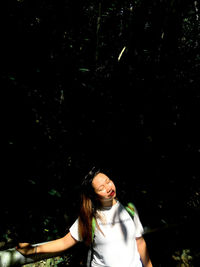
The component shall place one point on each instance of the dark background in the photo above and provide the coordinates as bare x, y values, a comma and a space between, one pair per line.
69, 103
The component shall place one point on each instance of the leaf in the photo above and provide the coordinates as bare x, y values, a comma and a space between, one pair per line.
53, 192
12, 78
31, 181
84, 70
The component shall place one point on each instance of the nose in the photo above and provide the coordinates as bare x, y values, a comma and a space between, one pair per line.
108, 188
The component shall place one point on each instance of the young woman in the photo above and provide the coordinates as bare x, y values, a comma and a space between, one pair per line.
113, 236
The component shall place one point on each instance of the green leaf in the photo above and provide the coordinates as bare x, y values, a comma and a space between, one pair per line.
31, 181
53, 192
12, 78
84, 69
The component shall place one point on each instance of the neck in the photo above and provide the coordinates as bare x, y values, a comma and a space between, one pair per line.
108, 203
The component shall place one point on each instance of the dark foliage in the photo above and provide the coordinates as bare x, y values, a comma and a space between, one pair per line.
71, 100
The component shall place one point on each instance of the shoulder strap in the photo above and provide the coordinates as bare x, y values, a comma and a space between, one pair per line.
93, 227
131, 209
91, 246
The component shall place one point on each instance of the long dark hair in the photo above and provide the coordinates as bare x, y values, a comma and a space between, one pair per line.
88, 206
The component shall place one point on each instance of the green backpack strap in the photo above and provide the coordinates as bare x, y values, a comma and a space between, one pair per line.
93, 227
131, 209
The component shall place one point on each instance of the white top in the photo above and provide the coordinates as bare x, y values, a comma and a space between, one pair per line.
115, 245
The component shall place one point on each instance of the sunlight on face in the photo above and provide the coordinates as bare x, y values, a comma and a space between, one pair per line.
104, 188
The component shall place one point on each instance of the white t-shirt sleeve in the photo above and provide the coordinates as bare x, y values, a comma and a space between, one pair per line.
74, 231
138, 226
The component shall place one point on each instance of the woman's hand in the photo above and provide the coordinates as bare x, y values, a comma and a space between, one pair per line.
25, 249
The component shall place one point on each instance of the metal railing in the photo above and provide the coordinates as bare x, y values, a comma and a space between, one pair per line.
12, 257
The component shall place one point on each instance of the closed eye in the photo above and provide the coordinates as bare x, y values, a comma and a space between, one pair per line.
101, 188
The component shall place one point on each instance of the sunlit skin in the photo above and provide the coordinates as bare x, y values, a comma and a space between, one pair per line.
105, 189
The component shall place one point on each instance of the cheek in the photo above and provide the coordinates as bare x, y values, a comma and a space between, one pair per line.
113, 185
101, 194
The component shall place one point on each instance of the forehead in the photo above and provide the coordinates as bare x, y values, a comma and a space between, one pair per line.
99, 179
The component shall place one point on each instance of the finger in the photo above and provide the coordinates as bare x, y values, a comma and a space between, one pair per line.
23, 245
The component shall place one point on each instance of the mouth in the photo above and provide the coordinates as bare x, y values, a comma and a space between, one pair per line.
112, 193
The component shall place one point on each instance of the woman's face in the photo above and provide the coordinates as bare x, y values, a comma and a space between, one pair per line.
104, 189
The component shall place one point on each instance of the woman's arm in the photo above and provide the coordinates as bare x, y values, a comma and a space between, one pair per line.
144, 255
54, 246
